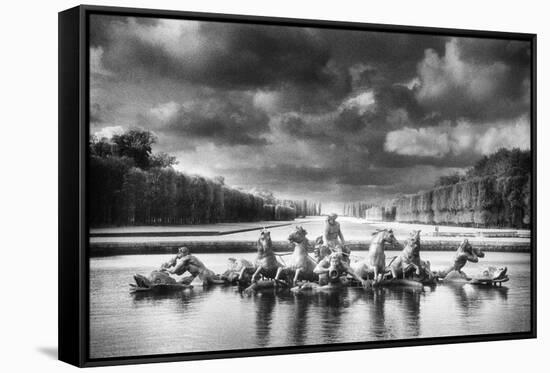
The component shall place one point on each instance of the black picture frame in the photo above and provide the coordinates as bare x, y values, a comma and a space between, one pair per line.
73, 176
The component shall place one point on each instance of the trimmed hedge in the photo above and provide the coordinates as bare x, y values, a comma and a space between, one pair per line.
122, 194
482, 202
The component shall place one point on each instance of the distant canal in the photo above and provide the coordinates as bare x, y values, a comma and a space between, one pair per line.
220, 318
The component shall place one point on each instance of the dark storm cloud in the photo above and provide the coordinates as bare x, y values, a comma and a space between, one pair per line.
476, 79
102, 27
391, 97
99, 29
392, 160
315, 106
221, 122
230, 56
349, 121
296, 127
394, 106
257, 57
392, 55
311, 67
95, 113
486, 51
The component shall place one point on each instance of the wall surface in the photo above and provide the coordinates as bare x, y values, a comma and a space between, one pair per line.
28, 317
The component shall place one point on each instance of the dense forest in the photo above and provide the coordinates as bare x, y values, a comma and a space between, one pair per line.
495, 192
131, 185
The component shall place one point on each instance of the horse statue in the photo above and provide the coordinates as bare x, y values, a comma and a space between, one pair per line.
409, 258
300, 263
490, 276
375, 263
464, 254
266, 264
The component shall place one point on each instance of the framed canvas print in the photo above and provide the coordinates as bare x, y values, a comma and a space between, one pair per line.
232, 186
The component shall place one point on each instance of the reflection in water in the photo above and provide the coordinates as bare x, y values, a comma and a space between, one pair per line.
154, 297
485, 293
471, 298
331, 307
409, 299
394, 311
377, 298
297, 329
265, 304
219, 318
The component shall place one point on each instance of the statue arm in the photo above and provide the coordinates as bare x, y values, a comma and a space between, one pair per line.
170, 263
479, 253
467, 255
472, 258
325, 235
341, 235
321, 267
180, 267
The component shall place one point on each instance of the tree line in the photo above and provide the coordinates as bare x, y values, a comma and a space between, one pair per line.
502, 163
356, 209
495, 192
131, 185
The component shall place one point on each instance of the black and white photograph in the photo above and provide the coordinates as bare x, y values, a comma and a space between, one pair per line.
275, 187
262, 186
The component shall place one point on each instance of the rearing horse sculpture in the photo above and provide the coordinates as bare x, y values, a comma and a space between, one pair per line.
376, 257
464, 254
375, 263
409, 258
300, 264
266, 264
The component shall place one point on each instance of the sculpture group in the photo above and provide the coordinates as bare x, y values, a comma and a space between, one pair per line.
326, 264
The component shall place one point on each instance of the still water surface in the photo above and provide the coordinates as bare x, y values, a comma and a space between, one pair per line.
220, 318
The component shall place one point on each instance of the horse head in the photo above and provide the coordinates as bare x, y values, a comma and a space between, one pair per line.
465, 247
414, 236
382, 236
298, 236
414, 240
264, 242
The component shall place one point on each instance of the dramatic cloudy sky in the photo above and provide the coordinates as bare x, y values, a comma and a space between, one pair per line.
311, 113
